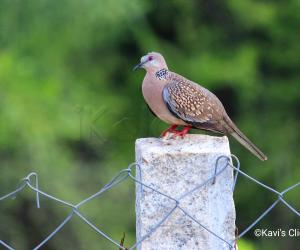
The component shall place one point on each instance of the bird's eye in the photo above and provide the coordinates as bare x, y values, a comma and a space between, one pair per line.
150, 58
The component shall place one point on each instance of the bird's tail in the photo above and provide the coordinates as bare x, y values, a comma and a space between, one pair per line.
241, 138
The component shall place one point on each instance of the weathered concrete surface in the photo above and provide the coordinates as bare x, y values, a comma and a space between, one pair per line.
175, 166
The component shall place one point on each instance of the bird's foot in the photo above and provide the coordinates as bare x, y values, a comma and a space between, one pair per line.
169, 130
182, 133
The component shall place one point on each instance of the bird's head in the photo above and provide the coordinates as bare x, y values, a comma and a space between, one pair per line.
153, 61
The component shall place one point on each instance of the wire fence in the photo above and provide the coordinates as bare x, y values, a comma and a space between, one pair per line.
31, 182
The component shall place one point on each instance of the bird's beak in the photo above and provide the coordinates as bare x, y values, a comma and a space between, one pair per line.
138, 66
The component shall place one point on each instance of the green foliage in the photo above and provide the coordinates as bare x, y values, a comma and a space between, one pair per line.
71, 108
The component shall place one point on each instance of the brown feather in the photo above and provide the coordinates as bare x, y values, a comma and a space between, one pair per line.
199, 107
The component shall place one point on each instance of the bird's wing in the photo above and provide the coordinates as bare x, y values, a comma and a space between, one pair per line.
202, 109
191, 102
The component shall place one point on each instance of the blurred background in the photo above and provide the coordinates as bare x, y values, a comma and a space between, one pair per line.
71, 108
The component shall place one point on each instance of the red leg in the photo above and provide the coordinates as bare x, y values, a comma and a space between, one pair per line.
183, 132
169, 130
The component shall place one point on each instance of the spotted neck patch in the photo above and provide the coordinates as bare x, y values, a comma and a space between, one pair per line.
161, 74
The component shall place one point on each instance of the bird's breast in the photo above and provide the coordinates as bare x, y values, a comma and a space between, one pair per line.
152, 91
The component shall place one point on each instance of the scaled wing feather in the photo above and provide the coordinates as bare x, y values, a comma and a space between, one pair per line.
190, 102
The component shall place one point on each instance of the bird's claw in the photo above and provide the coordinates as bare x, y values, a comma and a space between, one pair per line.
181, 133
175, 133
169, 130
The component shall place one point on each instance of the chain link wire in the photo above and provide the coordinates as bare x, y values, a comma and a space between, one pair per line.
31, 182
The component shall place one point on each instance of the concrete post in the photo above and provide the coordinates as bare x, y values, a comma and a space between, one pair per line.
174, 167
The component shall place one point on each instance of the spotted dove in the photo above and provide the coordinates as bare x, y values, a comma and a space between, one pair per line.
179, 101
